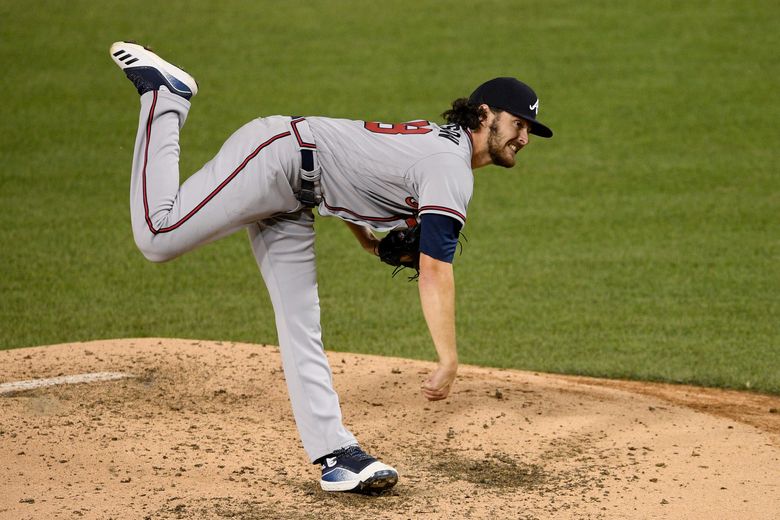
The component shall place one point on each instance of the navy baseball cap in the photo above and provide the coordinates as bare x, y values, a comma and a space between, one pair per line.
515, 97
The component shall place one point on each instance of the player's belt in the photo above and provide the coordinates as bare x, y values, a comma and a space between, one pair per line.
310, 194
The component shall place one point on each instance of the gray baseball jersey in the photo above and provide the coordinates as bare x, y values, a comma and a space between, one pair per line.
385, 175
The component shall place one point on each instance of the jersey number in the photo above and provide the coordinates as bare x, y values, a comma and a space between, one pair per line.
412, 127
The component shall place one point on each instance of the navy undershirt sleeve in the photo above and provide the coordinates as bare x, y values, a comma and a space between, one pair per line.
439, 236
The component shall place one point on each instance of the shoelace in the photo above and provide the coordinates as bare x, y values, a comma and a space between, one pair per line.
353, 452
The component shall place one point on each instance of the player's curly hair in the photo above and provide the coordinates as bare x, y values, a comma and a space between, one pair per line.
465, 114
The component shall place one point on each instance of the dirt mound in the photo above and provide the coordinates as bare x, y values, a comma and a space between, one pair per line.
204, 430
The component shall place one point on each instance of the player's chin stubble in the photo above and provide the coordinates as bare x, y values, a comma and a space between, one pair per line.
500, 154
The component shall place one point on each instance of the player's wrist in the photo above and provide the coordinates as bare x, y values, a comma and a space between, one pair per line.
449, 363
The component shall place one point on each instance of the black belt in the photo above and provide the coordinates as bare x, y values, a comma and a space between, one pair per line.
308, 194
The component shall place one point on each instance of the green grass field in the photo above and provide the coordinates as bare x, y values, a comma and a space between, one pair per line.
642, 241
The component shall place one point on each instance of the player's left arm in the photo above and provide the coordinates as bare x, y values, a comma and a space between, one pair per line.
368, 241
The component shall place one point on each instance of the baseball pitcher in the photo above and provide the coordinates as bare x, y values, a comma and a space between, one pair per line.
413, 179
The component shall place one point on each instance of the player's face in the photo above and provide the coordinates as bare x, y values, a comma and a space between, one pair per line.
508, 135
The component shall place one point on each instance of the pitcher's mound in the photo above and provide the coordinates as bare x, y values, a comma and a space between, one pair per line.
204, 430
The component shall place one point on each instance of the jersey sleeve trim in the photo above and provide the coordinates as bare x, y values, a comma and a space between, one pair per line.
443, 211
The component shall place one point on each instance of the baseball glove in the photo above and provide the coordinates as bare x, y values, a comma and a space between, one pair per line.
401, 248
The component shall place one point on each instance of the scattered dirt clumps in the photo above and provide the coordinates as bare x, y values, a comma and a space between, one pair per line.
204, 430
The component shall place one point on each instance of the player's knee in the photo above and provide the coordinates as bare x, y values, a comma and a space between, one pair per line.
153, 250
156, 257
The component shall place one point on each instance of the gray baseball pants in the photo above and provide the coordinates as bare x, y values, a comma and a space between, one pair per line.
248, 184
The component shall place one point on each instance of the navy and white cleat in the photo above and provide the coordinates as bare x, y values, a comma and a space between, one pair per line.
352, 469
148, 71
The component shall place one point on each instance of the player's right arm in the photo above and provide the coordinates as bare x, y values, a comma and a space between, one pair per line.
438, 241
437, 298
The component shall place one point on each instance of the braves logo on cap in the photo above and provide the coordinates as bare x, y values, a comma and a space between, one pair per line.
535, 106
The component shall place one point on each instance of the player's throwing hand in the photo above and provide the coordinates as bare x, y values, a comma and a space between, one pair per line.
439, 384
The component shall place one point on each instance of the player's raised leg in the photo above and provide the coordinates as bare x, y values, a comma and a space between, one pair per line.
284, 249
246, 181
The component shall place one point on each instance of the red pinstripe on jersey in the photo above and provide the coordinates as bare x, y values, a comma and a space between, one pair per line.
210, 195
301, 142
363, 217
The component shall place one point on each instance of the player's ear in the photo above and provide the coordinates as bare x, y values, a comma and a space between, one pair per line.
486, 115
